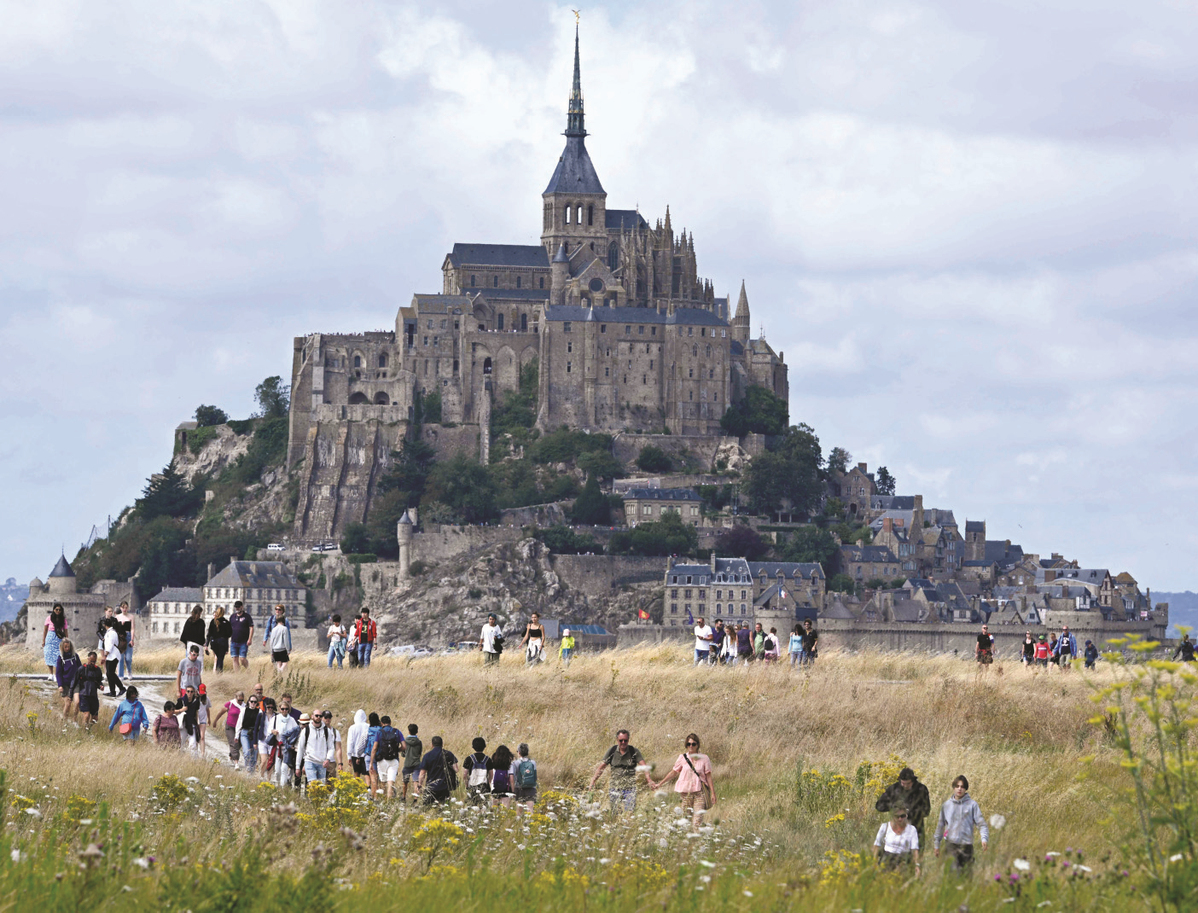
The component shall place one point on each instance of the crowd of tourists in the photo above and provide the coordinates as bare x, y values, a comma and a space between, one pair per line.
1042, 652
900, 840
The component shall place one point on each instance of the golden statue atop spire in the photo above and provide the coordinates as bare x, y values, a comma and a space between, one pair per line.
577, 15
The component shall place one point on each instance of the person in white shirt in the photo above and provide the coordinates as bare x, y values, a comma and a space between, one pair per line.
703, 637
112, 656
316, 751
491, 640
278, 728
337, 635
897, 843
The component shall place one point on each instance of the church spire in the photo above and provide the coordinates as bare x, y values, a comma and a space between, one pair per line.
574, 119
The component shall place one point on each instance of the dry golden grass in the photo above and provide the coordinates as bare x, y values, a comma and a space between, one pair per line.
1018, 737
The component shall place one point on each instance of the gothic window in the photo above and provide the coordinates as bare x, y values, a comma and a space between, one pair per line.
486, 366
578, 214
473, 281
613, 255
590, 215
694, 351
499, 321
357, 361
709, 351
569, 212
383, 360
523, 323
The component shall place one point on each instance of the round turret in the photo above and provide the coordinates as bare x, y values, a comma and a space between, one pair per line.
62, 578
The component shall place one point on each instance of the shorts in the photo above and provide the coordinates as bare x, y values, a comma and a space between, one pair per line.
388, 770
985, 657
89, 703
279, 656
409, 773
358, 765
526, 794
695, 802
239, 651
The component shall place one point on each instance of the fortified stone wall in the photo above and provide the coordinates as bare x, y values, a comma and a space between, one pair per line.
441, 543
597, 575
696, 451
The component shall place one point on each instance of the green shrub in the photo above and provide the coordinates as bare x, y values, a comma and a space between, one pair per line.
653, 459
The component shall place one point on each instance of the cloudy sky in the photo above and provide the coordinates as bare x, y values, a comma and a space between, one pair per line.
970, 227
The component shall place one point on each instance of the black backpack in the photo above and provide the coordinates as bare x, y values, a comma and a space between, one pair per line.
389, 744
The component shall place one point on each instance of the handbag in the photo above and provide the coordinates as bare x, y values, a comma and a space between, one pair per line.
126, 727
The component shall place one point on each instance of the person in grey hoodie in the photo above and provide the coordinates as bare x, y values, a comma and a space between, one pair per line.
959, 815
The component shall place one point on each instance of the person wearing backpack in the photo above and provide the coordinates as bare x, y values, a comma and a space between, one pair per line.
524, 776
365, 631
478, 772
385, 754
411, 759
438, 774
502, 787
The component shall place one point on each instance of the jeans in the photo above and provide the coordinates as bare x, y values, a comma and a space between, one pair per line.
132, 735
337, 651
795, 658
364, 651
626, 796
126, 661
567, 655
701, 656
239, 651
249, 749
315, 771
234, 745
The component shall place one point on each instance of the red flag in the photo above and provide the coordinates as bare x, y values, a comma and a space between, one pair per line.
642, 615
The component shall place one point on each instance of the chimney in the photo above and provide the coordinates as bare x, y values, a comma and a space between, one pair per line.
861, 466
211, 571
887, 524
713, 560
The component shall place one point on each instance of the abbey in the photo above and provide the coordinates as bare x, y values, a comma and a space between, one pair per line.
624, 333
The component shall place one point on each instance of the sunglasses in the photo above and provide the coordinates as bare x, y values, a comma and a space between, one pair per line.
900, 817
692, 744
253, 700
621, 740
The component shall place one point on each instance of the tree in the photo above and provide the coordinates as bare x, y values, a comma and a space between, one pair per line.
884, 481
600, 463
741, 542
168, 494
653, 459
210, 415
561, 540
409, 470
667, 536
273, 397
759, 412
810, 544
432, 407
591, 508
355, 540
464, 487
842, 583
838, 460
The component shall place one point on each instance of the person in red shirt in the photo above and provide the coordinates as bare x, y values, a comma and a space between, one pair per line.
1042, 652
365, 632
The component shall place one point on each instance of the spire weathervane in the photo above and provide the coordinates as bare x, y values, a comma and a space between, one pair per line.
574, 118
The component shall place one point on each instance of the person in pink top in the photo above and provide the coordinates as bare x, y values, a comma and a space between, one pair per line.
693, 771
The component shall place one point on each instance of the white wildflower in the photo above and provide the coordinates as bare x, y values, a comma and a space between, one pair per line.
998, 822
17, 856
1022, 865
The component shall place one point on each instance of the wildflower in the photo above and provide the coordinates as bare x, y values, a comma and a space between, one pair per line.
706, 864
747, 893
17, 856
1176, 857
998, 822
1022, 865
142, 862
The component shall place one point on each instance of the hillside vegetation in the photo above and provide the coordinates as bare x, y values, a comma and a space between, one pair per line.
799, 758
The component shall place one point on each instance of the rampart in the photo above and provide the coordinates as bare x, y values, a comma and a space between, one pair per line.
598, 575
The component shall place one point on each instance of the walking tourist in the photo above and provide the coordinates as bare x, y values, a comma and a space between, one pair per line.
717, 642
624, 761
241, 626
387, 751
66, 668
165, 731
703, 638
336, 635
112, 656
219, 633
124, 630
247, 724
478, 772
1027, 652
524, 776
1185, 649
909, 794
984, 650
438, 774
1066, 649
316, 751
355, 744
897, 843
231, 711
810, 643
88, 683
959, 815
191, 670
744, 643
534, 640
1092, 654
694, 787
130, 716
566, 650
502, 787
490, 641
795, 647
53, 632
193, 634
413, 754
278, 638
365, 633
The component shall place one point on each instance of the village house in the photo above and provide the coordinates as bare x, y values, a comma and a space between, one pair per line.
642, 505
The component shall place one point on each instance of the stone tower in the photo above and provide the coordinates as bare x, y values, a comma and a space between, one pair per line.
740, 323
575, 203
403, 531
62, 579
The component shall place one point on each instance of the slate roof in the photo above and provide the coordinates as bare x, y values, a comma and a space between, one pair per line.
906, 610
528, 255
870, 553
788, 568
906, 517
999, 552
513, 294
662, 494
683, 316
574, 173
837, 610
975, 526
191, 594
62, 569
624, 219
255, 574
736, 348
439, 304
892, 502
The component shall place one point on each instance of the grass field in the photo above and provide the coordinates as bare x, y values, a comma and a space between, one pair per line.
799, 758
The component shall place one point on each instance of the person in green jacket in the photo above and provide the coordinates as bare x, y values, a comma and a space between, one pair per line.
758, 642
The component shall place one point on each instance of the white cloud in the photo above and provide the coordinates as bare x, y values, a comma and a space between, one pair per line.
981, 267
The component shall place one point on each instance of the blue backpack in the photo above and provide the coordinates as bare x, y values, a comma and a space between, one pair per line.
526, 774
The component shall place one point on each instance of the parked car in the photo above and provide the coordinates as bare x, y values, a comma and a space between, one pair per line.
276, 547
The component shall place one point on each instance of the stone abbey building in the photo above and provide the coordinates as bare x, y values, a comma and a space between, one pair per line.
624, 332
